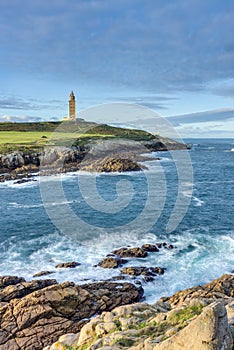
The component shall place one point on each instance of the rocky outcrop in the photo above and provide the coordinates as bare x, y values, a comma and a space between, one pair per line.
193, 319
135, 252
42, 273
34, 314
23, 288
148, 272
69, 264
156, 247
111, 262
119, 165
164, 144
220, 288
150, 247
145, 327
10, 281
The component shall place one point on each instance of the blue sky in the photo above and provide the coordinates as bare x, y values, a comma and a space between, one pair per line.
176, 57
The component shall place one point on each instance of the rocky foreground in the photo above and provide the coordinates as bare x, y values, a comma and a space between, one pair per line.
42, 314
199, 318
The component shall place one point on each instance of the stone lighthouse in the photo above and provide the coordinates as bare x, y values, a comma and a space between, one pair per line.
72, 106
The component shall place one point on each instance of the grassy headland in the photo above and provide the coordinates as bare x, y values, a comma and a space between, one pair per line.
34, 136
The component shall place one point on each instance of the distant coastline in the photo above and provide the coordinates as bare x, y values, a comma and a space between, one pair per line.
54, 147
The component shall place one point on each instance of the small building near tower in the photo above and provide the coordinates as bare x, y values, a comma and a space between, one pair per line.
72, 106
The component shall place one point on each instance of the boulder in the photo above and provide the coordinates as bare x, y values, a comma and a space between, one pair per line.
148, 272
150, 247
42, 273
70, 264
111, 262
135, 252
118, 165
209, 331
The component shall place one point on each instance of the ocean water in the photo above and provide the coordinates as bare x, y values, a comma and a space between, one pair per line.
101, 212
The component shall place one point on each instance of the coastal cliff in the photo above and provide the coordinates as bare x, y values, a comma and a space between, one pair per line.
99, 156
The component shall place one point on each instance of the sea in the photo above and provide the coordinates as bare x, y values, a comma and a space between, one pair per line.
83, 217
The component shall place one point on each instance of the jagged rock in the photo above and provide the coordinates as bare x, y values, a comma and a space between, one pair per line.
144, 327
21, 289
150, 247
165, 245
42, 273
209, 331
230, 313
222, 287
196, 323
39, 318
111, 262
10, 280
70, 264
118, 165
22, 181
135, 252
148, 272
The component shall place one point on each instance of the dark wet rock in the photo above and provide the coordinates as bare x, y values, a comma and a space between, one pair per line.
147, 272
43, 273
164, 245
150, 247
135, 252
70, 264
23, 288
111, 262
39, 318
22, 181
164, 144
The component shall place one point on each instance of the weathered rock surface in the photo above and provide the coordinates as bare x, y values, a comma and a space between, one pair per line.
150, 247
199, 321
67, 265
220, 288
34, 314
145, 327
42, 273
119, 165
135, 252
111, 262
21, 289
10, 280
148, 272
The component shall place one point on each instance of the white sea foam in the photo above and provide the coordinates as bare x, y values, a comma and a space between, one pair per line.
197, 202
13, 184
30, 206
196, 255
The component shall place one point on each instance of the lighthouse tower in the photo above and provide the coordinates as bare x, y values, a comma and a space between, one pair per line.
72, 106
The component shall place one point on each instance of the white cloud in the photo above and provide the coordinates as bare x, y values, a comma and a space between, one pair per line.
20, 119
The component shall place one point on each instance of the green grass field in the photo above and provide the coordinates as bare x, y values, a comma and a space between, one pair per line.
34, 136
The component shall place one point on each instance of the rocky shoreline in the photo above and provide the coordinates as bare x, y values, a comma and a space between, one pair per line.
111, 314
105, 156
